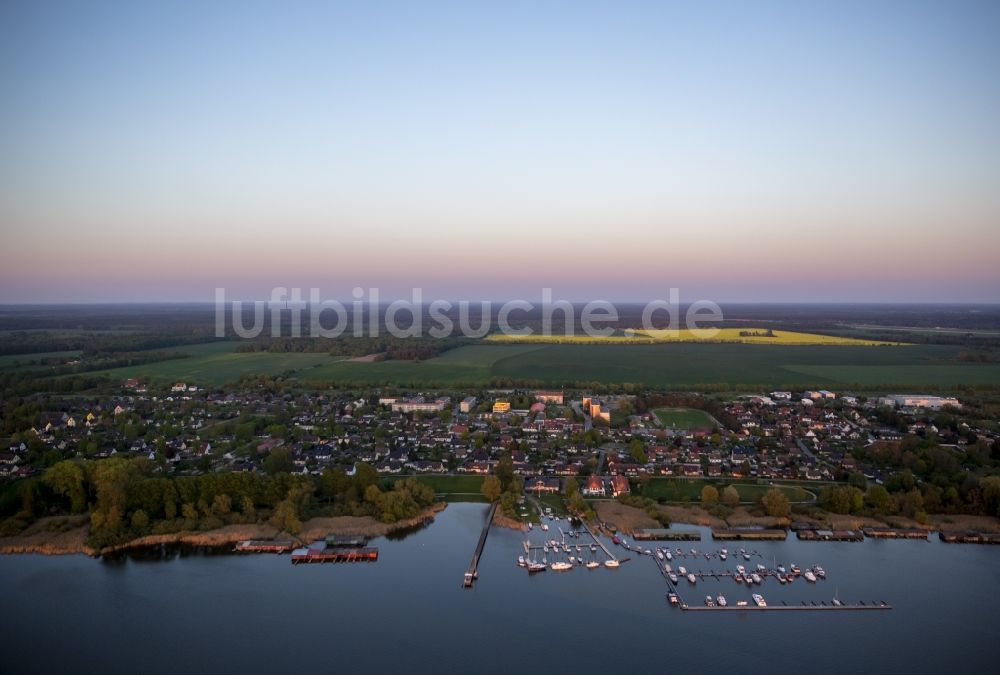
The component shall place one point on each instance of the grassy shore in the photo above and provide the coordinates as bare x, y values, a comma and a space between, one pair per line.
63, 535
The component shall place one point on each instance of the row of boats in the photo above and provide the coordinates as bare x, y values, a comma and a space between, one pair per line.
751, 577
720, 600
723, 554
562, 565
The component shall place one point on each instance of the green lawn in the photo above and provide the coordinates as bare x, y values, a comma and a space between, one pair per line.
453, 484
684, 418
675, 490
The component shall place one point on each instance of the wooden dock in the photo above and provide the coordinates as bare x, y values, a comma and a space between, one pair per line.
736, 534
471, 574
597, 541
822, 606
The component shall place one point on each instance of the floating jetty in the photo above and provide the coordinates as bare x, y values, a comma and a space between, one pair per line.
813, 606
264, 546
324, 555
666, 535
749, 534
895, 533
830, 535
969, 537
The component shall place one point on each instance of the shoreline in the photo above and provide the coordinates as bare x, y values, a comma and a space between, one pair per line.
44, 541
628, 519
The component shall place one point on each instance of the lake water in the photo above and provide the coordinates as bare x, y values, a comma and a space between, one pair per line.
408, 612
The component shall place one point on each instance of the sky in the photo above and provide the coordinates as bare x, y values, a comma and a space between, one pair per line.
738, 151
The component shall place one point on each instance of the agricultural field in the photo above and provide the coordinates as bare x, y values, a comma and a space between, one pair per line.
684, 418
16, 362
664, 365
761, 336
218, 363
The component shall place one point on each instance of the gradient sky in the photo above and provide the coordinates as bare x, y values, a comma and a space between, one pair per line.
743, 151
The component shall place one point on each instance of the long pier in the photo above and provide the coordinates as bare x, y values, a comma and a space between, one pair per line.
777, 608
471, 574
597, 541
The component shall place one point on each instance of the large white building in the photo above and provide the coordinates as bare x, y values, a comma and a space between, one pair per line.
921, 401
419, 404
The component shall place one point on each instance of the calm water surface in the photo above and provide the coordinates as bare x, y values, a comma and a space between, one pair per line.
408, 612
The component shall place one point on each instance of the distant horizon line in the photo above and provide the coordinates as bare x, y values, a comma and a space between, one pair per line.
209, 304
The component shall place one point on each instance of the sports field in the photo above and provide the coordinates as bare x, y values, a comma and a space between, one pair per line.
684, 418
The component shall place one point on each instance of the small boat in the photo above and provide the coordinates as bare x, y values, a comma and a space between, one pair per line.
795, 569
572, 559
648, 552
746, 556
692, 578
694, 552
781, 569
668, 568
545, 527
593, 565
615, 540
759, 600
672, 577
672, 597
560, 566
809, 576
709, 602
521, 561
756, 578
741, 570
534, 567
659, 553
761, 568
682, 570
611, 563
721, 600
819, 572
668, 555
723, 555
782, 580
741, 603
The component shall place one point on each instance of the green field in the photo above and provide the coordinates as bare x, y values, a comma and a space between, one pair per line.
217, 363
673, 489
684, 418
11, 362
666, 366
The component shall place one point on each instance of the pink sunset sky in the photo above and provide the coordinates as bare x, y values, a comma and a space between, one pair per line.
835, 153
